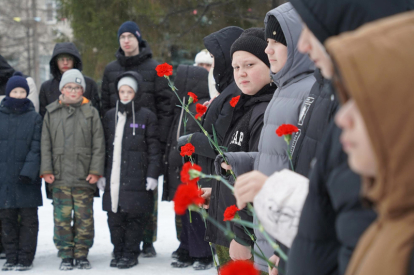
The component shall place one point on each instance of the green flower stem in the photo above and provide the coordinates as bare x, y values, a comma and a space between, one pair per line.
174, 89
272, 243
227, 232
287, 140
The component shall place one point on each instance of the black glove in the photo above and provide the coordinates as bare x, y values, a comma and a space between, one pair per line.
25, 180
183, 140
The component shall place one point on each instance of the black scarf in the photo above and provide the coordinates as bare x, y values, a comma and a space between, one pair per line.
17, 105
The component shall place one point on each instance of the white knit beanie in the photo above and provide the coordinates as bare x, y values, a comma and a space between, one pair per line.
129, 81
203, 57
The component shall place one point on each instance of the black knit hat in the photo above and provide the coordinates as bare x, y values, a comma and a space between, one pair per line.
252, 41
17, 81
132, 27
274, 30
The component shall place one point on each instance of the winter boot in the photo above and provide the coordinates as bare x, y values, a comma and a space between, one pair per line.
24, 265
203, 263
148, 250
66, 264
127, 263
2, 254
82, 263
114, 262
178, 252
184, 260
9, 265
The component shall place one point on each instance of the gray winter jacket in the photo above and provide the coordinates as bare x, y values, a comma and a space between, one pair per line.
294, 83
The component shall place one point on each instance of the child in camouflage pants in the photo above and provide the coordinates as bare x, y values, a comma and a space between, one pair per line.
72, 153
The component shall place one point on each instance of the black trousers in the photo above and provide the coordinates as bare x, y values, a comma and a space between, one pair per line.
20, 227
127, 231
192, 235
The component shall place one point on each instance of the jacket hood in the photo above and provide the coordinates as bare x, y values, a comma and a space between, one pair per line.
297, 63
139, 80
6, 71
192, 79
363, 58
64, 48
129, 61
327, 18
219, 44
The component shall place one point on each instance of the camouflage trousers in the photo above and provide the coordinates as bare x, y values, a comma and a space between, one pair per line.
150, 232
73, 241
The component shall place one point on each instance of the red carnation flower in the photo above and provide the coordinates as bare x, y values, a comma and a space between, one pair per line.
164, 69
187, 150
286, 129
230, 212
201, 110
240, 268
185, 176
234, 100
186, 195
193, 96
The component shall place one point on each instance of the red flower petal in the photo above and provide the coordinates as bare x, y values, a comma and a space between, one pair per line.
186, 195
185, 176
286, 129
187, 150
194, 96
234, 101
239, 268
201, 110
164, 70
230, 212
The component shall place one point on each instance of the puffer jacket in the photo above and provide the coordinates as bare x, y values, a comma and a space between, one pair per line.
294, 82
49, 91
156, 93
19, 156
140, 154
188, 79
73, 144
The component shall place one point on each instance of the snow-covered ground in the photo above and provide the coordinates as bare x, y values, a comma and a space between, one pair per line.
46, 261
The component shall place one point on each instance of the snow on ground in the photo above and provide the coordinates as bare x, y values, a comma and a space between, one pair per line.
47, 262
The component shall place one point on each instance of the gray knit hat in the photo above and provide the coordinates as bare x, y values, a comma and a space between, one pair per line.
72, 76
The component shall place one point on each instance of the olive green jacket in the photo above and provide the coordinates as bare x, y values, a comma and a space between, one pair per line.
73, 144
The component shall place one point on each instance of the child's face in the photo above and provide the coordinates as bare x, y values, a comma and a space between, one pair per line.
18, 93
355, 140
310, 45
277, 54
250, 73
126, 93
73, 91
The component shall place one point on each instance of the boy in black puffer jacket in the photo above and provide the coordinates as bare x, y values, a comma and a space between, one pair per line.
132, 169
20, 195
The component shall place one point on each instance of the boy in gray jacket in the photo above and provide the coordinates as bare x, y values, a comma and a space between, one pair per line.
73, 153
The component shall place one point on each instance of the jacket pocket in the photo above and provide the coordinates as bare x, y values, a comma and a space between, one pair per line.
83, 162
57, 162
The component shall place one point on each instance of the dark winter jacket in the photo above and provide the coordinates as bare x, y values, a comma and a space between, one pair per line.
49, 91
242, 136
156, 93
6, 71
188, 79
219, 113
73, 144
333, 217
20, 133
140, 157
315, 115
